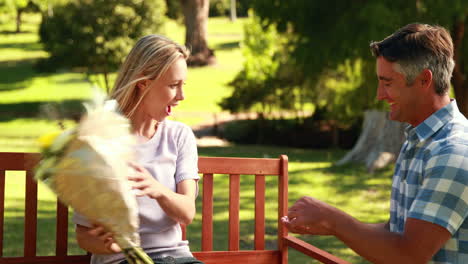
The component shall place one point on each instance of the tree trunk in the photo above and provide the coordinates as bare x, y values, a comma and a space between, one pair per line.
459, 80
196, 24
233, 11
379, 144
19, 12
106, 81
50, 9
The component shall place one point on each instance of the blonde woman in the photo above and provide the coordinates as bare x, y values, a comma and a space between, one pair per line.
148, 87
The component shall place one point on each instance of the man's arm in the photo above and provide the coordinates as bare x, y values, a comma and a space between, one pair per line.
419, 242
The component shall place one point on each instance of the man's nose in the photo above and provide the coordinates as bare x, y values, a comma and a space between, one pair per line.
381, 92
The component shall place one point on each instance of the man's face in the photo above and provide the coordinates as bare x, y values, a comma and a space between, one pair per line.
394, 90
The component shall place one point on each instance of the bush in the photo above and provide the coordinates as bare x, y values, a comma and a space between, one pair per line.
311, 133
98, 34
253, 86
223, 7
174, 10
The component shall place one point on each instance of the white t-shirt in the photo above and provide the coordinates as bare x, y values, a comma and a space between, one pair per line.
171, 157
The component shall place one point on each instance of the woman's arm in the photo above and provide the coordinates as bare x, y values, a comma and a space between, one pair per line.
179, 205
96, 240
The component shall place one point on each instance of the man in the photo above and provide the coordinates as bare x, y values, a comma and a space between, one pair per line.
429, 202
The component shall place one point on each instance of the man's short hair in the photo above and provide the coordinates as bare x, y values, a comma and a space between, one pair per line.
416, 47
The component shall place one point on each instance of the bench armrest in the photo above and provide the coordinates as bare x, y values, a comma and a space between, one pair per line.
312, 251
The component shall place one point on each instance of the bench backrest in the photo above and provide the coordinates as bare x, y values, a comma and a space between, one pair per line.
209, 167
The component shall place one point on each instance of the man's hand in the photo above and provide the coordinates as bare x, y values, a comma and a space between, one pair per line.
309, 216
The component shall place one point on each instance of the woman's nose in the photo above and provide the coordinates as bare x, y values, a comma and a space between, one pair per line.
180, 94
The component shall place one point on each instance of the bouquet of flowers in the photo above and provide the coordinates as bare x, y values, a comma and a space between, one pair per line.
87, 168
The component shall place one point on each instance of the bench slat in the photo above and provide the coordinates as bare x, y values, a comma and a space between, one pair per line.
313, 252
208, 166
2, 208
234, 191
243, 166
283, 207
259, 212
207, 213
61, 236
47, 260
30, 218
236, 257
18, 161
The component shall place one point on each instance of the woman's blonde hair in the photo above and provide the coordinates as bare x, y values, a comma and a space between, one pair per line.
148, 60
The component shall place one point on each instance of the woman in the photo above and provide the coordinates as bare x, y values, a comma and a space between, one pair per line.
149, 85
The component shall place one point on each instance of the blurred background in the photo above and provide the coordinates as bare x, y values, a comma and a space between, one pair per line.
267, 77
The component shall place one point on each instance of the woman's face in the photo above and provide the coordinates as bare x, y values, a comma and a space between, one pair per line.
164, 93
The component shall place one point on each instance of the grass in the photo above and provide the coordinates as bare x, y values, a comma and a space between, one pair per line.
311, 172
30, 101
25, 92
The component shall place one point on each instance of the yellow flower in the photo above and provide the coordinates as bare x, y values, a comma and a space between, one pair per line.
46, 140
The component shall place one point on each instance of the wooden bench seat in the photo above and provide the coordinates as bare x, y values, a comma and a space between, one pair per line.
209, 167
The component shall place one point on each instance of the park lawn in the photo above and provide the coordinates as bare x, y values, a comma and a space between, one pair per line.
24, 91
311, 172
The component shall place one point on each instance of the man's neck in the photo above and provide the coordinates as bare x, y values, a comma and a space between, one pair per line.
429, 107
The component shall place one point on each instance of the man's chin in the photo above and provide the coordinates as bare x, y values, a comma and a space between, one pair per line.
394, 116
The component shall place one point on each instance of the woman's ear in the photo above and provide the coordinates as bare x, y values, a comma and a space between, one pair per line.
141, 85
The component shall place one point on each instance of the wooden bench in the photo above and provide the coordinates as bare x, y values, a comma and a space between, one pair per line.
208, 168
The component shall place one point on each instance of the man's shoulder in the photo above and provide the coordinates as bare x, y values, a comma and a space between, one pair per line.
453, 134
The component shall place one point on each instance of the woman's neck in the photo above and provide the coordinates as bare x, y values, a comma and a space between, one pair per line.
145, 128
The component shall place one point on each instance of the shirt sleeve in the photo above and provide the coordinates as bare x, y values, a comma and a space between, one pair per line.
79, 219
187, 157
443, 196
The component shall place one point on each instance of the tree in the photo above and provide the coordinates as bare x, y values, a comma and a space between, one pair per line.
96, 35
332, 33
233, 10
196, 26
19, 7
340, 30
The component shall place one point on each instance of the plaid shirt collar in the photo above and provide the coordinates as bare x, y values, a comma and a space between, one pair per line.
432, 124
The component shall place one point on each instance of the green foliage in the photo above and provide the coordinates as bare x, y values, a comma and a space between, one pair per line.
12, 5
219, 7
252, 86
174, 10
97, 35
327, 60
13, 9
311, 133
223, 7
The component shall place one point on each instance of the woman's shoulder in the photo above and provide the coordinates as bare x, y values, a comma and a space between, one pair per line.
171, 124
175, 127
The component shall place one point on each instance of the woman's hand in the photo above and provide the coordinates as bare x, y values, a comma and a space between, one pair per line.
180, 205
144, 182
107, 238
96, 240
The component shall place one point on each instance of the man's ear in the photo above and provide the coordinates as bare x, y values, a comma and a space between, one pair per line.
425, 79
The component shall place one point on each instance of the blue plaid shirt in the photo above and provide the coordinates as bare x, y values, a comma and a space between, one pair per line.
431, 180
